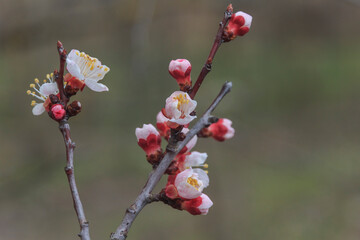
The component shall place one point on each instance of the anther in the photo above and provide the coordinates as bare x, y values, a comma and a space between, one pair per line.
36, 80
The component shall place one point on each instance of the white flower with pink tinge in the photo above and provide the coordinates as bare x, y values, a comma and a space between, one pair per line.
194, 159
198, 206
191, 182
180, 69
222, 129
239, 24
149, 139
42, 92
87, 69
178, 108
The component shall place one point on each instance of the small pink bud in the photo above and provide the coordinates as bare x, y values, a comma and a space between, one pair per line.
149, 139
222, 129
197, 206
239, 25
58, 111
180, 69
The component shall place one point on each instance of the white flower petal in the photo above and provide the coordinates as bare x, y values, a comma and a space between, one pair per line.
195, 159
95, 86
74, 69
48, 88
38, 109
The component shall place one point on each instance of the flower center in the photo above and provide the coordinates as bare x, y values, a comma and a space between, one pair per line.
182, 99
193, 182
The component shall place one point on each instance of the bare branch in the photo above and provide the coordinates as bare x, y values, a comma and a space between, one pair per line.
217, 43
59, 75
173, 149
69, 170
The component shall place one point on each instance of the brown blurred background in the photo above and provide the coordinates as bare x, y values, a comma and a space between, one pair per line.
291, 172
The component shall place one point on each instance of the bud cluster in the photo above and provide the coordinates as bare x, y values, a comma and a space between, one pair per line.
83, 70
187, 174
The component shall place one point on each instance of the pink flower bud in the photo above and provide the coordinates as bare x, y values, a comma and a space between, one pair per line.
161, 125
180, 70
149, 139
58, 111
239, 24
178, 108
222, 129
197, 206
191, 182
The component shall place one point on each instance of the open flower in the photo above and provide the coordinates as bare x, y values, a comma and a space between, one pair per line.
42, 92
191, 182
193, 159
197, 206
86, 69
178, 108
149, 139
180, 69
222, 129
239, 25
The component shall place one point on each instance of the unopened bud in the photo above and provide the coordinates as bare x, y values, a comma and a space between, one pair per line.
58, 111
239, 25
74, 108
180, 69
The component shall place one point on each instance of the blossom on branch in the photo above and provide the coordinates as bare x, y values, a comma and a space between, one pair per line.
193, 159
179, 108
180, 69
86, 69
239, 25
222, 129
191, 182
58, 111
42, 92
197, 206
149, 140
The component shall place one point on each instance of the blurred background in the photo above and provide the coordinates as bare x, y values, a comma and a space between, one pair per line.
291, 172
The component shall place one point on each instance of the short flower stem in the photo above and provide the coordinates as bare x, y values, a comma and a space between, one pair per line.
69, 170
217, 43
145, 196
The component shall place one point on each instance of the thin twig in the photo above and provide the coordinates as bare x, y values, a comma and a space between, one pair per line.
173, 149
69, 170
59, 76
217, 43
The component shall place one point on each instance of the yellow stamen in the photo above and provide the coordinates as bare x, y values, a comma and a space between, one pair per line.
36, 80
33, 103
106, 69
28, 92
44, 81
193, 182
206, 171
181, 98
47, 76
52, 75
206, 165
32, 85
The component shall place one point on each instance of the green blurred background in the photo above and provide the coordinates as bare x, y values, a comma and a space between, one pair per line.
291, 172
